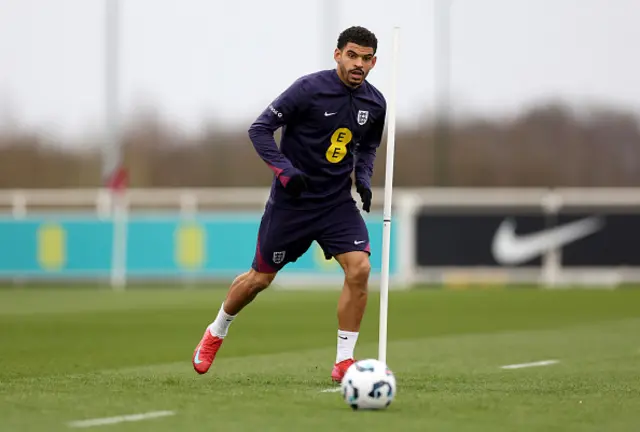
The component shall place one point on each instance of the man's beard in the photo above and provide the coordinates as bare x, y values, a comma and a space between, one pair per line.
355, 80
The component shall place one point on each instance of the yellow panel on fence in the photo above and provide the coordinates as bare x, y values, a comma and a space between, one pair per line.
190, 246
52, 246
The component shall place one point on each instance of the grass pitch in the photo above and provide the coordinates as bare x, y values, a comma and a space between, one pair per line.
68, 355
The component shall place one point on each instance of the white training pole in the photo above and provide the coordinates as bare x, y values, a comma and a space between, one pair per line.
388, 188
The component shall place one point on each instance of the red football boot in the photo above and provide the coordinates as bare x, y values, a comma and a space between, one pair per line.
339, 369
206, 351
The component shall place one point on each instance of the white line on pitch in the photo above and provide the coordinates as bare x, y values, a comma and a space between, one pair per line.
331, 390
119, 419
532, 364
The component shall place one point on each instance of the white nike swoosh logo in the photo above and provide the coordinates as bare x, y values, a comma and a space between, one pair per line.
197, 359
356, 242
326, 114
509, 248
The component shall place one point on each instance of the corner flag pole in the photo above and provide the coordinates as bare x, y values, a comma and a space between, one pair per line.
388, 188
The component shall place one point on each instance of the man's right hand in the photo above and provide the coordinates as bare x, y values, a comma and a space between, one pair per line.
297, 183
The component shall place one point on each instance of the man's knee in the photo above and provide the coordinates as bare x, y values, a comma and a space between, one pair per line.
259, 281
358, 270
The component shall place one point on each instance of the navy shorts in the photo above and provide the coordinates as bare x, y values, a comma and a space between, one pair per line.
285, 234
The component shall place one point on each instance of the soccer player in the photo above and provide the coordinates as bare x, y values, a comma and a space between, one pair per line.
332, 123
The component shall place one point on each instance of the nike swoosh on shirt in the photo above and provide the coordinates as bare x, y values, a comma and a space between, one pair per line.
509, 248
326, 114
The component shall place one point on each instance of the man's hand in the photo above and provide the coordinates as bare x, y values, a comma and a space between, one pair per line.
297, 183
365, 195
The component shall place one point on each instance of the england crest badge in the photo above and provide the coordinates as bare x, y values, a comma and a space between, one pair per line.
363, 116
278, 257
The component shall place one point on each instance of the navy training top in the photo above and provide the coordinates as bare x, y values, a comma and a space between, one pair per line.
328, 130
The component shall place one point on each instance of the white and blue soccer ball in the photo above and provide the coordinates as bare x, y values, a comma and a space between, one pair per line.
368, 385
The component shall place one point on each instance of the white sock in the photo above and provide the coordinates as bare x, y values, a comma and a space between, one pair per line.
220, 325
346, 345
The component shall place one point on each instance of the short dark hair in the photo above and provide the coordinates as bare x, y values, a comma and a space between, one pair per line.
359, 36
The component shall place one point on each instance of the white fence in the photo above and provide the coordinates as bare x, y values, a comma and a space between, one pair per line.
425, 224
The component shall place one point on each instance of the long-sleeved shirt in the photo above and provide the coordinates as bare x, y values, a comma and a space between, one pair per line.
328, 130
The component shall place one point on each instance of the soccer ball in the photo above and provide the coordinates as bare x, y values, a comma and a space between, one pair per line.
368, 384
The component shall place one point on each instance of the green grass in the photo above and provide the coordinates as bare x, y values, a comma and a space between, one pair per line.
80, 354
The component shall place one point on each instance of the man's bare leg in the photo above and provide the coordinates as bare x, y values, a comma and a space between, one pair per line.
243, 290
352, 302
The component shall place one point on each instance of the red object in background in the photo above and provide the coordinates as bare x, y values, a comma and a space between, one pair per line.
118, 180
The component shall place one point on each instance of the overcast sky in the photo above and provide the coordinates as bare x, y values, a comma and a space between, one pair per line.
194, 59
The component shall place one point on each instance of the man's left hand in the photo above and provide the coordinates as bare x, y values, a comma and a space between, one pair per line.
365, 195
